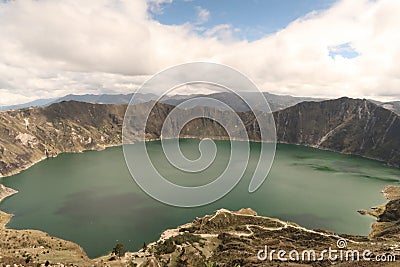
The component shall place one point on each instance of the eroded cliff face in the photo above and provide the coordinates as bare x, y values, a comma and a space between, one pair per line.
29, 135
32, 134
344, 125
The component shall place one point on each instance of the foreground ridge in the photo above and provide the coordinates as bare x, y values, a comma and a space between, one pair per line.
227, 238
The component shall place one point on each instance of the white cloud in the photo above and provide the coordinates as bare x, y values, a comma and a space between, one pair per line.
51, 48
203, 15
27, 84
223, 32
155, 6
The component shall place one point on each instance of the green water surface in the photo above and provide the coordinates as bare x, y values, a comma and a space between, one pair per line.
91, 199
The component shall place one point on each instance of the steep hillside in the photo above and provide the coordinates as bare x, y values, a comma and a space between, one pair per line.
344, 125
229, 239
223, 238
35, 248
29, 135
276, 102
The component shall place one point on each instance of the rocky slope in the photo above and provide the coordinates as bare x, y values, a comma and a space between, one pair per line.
276, 102
35, 248
32, 134
344, 125
229, 239
393, 105
387, 226
224, 238
6, 192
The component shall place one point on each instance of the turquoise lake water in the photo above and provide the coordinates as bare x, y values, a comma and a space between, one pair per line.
91, 199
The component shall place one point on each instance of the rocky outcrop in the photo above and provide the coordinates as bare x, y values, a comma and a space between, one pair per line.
387, 226
30, 135
6, 192
35, 248
351, 126
393, 105
228, 239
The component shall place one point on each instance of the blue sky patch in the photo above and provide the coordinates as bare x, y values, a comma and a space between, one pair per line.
254, 19
345, 50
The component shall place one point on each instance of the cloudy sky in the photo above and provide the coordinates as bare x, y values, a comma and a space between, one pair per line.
323, 48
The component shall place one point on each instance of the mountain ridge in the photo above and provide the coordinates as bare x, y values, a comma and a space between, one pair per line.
225, 238
349, 126
344, 125
276, 102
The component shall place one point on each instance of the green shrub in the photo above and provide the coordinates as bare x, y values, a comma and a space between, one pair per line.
186, 238
119, 250
165, 247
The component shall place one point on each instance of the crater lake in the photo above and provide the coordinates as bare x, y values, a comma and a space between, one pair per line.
90, 198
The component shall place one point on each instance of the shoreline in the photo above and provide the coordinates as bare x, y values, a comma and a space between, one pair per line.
142, 254
390, 192
21, 169
105, 146
6, 192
